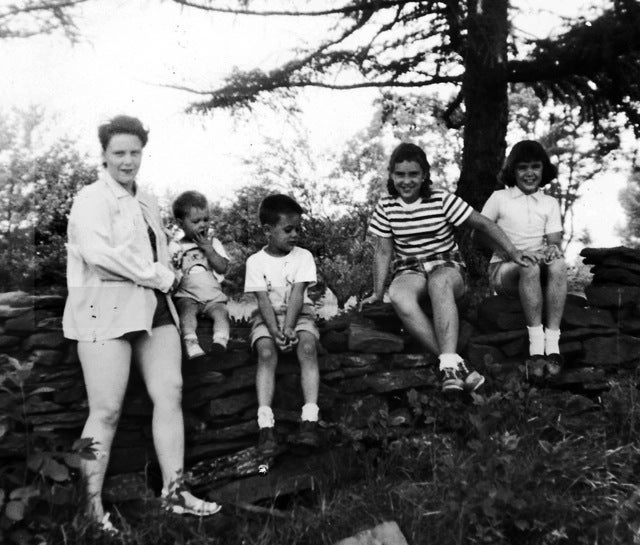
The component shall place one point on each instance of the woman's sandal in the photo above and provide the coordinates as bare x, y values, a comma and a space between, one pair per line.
106, 526
176, 502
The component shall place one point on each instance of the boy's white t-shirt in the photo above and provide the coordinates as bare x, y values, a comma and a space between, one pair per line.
525, 219
277, 275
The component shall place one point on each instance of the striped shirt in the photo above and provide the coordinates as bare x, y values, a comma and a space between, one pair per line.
420, 228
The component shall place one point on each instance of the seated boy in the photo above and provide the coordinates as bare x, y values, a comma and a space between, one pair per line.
202, 261
279, 276
531, 219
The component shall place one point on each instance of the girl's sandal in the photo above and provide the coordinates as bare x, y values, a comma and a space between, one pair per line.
178, 503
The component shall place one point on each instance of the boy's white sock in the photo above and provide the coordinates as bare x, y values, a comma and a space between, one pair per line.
551, 341
190, 336
265, 417
449, 361
536, 340
310, 412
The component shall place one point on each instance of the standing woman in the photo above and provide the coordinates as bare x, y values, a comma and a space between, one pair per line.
119, 308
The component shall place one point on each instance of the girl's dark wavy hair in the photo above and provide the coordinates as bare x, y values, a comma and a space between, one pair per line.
122, 124
410, 152
527, 151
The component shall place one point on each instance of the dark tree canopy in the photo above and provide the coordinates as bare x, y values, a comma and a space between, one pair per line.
469, 45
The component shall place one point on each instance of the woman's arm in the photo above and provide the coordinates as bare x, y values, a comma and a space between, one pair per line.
381, 262
498, 236
89, 229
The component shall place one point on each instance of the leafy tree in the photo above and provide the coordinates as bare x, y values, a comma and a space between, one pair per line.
468, 46
630, 201
37, 185
26, 18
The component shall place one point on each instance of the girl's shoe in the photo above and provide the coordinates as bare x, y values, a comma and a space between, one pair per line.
471, 378
553, 366
181, 502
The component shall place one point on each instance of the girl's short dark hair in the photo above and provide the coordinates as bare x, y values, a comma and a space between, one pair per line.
527, 151
274, 206
122, 124
186, 201
410, 152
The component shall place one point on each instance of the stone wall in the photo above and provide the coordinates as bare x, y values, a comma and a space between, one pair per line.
367, 365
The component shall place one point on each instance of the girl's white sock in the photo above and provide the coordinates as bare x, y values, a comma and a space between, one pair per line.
551, 341
536, 340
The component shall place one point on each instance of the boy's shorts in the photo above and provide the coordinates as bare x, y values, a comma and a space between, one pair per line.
306, 322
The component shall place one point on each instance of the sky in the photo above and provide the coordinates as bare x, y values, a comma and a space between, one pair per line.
128, 50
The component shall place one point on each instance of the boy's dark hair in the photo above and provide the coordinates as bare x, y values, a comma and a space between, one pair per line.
274, 206
410, 152
122, 124
186, 201
527, 151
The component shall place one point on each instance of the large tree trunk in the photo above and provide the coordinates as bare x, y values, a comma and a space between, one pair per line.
485, 97
486, 105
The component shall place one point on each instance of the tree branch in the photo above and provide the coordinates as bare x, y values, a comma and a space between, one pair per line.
372, 5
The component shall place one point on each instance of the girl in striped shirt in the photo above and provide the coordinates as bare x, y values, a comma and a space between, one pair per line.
413, 229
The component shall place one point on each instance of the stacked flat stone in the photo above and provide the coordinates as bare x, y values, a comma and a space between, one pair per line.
365, 372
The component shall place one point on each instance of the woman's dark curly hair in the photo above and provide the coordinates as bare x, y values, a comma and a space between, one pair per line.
410, 152
122, 124
527, 151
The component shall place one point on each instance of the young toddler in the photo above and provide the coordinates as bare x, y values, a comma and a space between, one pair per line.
202, 260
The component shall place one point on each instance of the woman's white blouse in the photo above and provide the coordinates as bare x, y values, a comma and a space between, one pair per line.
111, 273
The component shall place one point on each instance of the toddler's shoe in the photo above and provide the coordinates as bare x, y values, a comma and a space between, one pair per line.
554, 366
308, 434
472, 379
217, 348
267, 443
193, 349
451, 379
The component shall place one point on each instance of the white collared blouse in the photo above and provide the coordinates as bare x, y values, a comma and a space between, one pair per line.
111, 272
525, 219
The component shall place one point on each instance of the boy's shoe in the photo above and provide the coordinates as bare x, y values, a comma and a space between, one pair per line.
308, 434
267, 443
193, 349
217, 349
535, 367
451, 379
554, 365
472, 379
